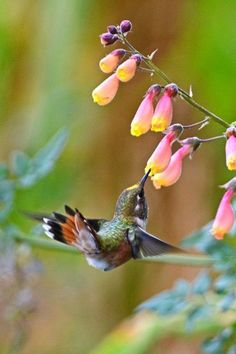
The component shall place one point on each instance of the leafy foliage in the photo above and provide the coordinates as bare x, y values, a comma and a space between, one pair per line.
212, 292
18, 266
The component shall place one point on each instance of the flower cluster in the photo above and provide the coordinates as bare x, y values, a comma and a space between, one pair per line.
155, 114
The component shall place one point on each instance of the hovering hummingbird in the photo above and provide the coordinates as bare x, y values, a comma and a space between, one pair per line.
106, 244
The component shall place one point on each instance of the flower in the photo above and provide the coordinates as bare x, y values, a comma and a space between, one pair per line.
173, 172
224, 219
108, 38
230, 152
106, 91
112, 29
141, 122
161, 156
111, 61
126, 71
125, 26
163, 113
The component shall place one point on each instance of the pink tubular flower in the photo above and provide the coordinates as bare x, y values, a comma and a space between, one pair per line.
224, 219
163, 113
141, 122
126, 71
173, 172
106, 91
230, 152
110, 62
161, 156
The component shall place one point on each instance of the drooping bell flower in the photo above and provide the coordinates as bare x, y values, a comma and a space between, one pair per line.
126, 71
106, 91
163, 113
230, 148
224, 219
173, 172
161, 156
108, 38
110, 62
141, 122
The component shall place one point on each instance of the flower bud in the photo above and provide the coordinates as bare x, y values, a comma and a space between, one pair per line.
141, 122
126, 71
224, 219
161, 156
108, 38
106, 91
112, 29
173, 172
230, 148
110, 62
125, 26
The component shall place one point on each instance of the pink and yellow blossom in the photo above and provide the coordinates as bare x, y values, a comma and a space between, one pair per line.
126, 71
110, 62
161, 156
230, 152
163, 113
141, 122
106, 91
224, 219
173, 172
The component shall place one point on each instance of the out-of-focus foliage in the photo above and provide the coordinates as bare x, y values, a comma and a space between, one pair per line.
18, 266
203, 306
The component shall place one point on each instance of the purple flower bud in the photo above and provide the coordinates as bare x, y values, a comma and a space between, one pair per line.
108, 38
137, 58
172, 90
112, 29
125, 26
154, 90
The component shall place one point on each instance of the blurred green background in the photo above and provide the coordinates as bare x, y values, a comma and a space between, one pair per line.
49, 53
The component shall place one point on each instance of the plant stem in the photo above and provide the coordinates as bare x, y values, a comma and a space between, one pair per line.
182, 93
178, 259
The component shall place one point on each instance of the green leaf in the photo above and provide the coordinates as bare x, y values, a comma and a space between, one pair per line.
212, 346
202, 283
20, 163
3, 171
196, 314
7, 193
30, 171
227, 301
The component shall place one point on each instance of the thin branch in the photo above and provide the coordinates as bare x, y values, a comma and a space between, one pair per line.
182, 93
178, 259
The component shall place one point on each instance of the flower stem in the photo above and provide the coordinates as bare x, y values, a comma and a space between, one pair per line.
182, 93
178, 259
212, 139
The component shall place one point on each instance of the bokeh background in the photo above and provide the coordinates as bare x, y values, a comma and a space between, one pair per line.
49, 53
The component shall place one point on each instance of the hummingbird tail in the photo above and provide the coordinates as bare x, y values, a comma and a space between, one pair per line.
72, 229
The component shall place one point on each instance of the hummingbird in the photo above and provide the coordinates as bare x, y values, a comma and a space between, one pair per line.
106, 244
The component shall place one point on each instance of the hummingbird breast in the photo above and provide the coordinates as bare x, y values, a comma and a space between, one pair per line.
108, 260
115, 247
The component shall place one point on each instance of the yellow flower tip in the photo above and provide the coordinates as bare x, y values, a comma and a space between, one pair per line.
104, 67
153, 167
101, 101
231, 163
218, 233
157, 182
136, 130
159, 125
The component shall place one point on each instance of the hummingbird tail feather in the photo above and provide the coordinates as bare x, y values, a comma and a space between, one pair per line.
72, 229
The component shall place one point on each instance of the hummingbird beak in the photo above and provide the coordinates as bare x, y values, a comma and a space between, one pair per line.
143, 180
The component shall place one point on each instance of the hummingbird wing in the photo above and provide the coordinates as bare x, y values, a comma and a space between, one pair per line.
72, 229
147, 245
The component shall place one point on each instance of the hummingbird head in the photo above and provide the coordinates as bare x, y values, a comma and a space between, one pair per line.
132, 202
